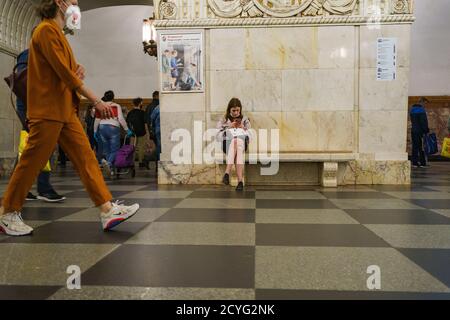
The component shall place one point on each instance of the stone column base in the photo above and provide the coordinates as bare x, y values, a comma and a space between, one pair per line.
169, 173
329, 174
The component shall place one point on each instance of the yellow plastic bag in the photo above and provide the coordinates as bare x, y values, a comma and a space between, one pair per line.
446, 148
23, 143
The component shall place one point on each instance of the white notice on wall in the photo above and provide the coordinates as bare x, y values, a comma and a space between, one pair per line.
386, 59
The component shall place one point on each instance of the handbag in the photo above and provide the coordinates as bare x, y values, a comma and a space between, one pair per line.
430, 144
23, 144
17, 82
446, 147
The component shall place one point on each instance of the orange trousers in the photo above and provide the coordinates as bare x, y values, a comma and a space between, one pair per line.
44, 135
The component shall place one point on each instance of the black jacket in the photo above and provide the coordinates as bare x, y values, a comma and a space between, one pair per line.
136, 122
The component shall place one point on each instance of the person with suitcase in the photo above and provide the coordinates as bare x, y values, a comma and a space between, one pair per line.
108, 130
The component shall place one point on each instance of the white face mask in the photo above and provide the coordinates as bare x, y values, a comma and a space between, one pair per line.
72, 17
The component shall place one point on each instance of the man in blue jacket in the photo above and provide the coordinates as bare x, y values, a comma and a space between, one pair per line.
419, 129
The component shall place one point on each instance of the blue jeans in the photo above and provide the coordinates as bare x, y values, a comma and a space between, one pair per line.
418, 154
110, 136
43, 184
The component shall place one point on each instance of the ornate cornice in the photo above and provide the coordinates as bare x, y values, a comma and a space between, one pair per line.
255, 13
17, 19
304, 21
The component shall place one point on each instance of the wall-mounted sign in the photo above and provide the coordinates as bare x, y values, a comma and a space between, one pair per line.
181, 61
386, 59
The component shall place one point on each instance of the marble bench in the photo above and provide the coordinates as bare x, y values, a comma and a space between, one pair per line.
328, 162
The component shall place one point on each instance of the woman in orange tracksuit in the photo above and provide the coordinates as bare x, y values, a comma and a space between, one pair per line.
54, 88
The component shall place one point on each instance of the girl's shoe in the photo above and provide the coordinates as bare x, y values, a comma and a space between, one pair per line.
226, 179
240, 186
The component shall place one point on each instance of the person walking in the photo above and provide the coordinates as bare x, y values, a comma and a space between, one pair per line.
53, 94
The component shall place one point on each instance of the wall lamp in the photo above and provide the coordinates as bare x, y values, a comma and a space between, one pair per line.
149, 37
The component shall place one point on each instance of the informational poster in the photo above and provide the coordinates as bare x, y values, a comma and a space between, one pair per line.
386, 59
181, 61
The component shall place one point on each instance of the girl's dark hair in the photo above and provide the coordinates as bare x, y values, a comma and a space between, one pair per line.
108, 96
234, 103
47, 9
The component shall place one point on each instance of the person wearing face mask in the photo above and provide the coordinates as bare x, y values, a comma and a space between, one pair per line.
55, 83
235, 136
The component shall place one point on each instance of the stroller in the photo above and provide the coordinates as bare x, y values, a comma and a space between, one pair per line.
124, 162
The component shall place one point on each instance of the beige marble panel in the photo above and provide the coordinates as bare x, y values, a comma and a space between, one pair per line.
258, 90
318, 89
368, 43
170, 122
7, 134
382, 131
375, 172
288, 174
299, 131
336, 131
183, 102
336, 47
281, 48
389, 156
384, 95
169, 173
263, 121
227, 49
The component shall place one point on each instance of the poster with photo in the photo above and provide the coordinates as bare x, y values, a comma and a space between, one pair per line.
181, 62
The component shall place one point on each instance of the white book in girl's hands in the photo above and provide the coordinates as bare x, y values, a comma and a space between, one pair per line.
236, 132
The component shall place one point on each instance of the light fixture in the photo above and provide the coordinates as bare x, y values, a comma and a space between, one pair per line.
149, 37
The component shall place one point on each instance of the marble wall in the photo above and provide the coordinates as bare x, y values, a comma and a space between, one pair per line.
9, 124
316, 84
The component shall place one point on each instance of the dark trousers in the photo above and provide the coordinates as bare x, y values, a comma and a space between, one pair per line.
418, 154
43, 184
62, 157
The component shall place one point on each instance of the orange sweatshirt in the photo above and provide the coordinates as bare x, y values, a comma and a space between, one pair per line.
52, 79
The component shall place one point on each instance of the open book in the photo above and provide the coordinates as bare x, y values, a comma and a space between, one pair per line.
236, 132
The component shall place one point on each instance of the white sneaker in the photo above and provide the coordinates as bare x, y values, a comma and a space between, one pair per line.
118, 214
12, 224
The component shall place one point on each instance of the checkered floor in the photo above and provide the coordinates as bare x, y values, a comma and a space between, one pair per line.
209, 242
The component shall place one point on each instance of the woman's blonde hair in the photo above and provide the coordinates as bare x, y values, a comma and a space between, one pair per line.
47, 9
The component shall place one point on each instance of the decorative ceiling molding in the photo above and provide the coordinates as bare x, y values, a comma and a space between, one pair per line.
17, 19
246, 13
263, 22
